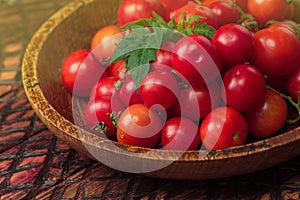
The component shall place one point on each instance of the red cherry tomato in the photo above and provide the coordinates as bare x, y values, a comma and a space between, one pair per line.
104, 87
266, 10
224, 127
172, 5
225, 13
128, 92
192, 9
196, 102
244, 87
268, 117
81, 70
118, 69
96, 115
159, 87
234, 43
293, 83
243, 4
133, 10
196, 59
180, 134
105, 41
139, 126
277, 50
164, 54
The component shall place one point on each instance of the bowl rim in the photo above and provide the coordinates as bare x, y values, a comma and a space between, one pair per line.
31, 85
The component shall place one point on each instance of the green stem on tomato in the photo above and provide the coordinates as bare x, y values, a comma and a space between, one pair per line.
292, 102
252, 23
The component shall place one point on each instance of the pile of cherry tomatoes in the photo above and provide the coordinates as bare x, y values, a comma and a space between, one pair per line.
197, 90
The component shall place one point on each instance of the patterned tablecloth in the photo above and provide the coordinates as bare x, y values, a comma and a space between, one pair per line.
34, 164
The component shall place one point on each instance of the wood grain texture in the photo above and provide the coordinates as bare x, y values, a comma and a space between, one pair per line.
72, 28
27, 146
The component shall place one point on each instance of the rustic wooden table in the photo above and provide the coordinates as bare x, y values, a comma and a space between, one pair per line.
34, 164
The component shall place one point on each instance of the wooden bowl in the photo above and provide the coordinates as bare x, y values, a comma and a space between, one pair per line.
72, 28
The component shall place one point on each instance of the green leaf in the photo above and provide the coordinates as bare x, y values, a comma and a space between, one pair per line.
138, 73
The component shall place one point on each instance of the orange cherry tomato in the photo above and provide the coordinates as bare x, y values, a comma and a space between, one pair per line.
105, 40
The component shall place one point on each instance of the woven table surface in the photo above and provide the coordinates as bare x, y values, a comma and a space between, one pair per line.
34, 164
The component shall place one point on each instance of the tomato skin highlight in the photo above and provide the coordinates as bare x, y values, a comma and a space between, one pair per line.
105, 40
180, 134
196, 102
268, 117
277, 50
224, 127
139, 126
104, 87
265, 10
98, 110
234, 43
156, 86
133, 10
80, 72
193, 9
196, 59
244, 87
225, 13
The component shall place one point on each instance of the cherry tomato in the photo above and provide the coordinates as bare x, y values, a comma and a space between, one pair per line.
196, 59
225, 13
266, 10
293, 83
277, 50
196, 102
96, 115
244, 87
172, 5
192, 9
164, 54
118, 69
234, 43
243, 4
139, 126
104, 87
132, 10
224, 127
180, 134
128, 92
268, 117
105, 41
159, 87
80, 71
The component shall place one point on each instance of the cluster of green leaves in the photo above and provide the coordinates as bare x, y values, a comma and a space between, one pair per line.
138, 47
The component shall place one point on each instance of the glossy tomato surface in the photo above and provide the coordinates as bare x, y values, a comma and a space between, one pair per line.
180, 134
244, 87
224, 127
132, 10
160, 89
268, 117
195, 58
265, 10
234, 43
277, 50
139, 126
81, 70
193, 9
